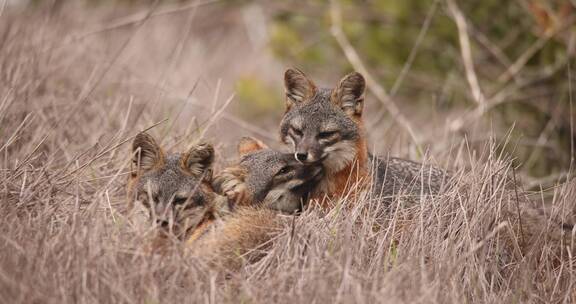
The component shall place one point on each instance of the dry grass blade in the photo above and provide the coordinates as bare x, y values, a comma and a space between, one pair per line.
466, 52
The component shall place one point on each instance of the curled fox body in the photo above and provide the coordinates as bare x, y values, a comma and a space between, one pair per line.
268, 178
177, 191
325, 125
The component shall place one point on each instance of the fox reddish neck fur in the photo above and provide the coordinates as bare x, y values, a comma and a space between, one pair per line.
325, 125
352, 178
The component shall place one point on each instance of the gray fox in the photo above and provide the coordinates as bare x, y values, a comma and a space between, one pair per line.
325, 125
174, 188
268, 178
177, 191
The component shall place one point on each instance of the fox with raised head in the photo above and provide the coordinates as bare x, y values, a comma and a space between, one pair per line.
325, 125
177, 191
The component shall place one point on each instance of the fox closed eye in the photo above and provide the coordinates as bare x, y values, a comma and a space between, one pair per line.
180, 201
327, 134
284, 174
296, 132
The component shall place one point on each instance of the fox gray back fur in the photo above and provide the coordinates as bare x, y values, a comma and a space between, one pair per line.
393, 177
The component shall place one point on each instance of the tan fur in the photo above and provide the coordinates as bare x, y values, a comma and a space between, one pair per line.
241, 238
249, 144
228, 239
230, 182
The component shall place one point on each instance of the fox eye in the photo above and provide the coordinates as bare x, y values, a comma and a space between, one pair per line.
180, 201
283, 171
296, 131
327, 134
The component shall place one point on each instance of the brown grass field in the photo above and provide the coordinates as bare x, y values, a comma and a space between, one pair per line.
76, 86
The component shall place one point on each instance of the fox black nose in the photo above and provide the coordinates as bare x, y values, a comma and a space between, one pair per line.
301, 157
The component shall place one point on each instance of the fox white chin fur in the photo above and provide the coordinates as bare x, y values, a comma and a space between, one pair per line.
339, 156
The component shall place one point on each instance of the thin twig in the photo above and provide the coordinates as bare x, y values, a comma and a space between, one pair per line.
85, 95
414, 51
138, 17
356, 62
492, 48
466, 53
410, 60
543, 138
215, 116
110, 149
519, 64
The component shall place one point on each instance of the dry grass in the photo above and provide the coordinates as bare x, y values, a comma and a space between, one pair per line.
68, 106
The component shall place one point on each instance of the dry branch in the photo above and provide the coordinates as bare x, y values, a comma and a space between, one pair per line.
466, 53
354, 59
139, 17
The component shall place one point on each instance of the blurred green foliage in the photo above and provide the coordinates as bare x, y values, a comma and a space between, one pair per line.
256, 100
384, 33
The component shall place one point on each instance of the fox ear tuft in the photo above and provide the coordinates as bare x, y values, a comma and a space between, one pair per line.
249, 145
146, 152
198, 160
299, 88
349, 94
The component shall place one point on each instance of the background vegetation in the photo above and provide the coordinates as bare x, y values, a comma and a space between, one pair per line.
520, 53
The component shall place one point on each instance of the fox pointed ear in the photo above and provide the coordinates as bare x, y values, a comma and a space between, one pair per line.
299, 88
146, 152
249, 145
349, 94
198, 160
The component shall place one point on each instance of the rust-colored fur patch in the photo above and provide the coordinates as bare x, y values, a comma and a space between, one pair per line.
353, 178
241, 238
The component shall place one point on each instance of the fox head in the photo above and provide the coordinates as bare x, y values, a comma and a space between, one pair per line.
175, 188
268, 178
323, 125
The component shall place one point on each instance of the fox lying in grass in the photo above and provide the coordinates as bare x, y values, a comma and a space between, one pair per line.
177, 191
325, 125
